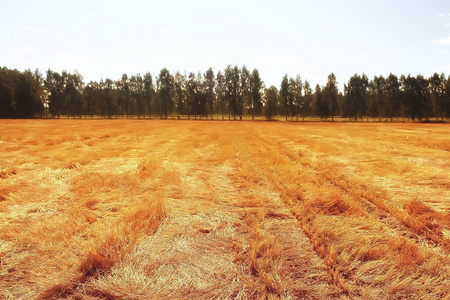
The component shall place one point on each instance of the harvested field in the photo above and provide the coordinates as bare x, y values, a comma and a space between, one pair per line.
140, 209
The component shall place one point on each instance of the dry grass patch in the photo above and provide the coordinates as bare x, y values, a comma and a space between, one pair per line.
123, 209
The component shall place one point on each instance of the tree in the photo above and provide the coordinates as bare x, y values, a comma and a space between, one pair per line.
377, 86
209, 83
298, 100
55, 84
423, 101
7, 92
256, 86
124, 94
307, 100
232, 89
416, 96
193, 91
21, 94
180, 93
271, 100
403, 96
37, 91
340, 102
330, 96
201, 96
148, 93
106, 92
235, 92
221, 93
320, 105
73, 94
165, 83
392, 102
285, 97
355, 103
437, 94
292, 108
90, 95
137, 94
27, 95
446, 104
244, 99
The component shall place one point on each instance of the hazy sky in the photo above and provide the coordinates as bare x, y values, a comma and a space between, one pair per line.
312, 38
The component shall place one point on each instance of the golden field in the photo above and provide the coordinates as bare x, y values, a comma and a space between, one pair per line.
151, 209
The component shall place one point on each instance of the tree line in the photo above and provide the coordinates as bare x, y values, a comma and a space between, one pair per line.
233, 93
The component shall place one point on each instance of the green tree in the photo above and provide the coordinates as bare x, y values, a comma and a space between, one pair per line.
148, 93
201, 96
437, 94
7, 92
91, 97
137, 94
37, 90
446, 102
232, 90
180, 93
285, 99
55, 85
292, 104
73, 94
298, 103
392, 96
27, 95
403, 97
107, 97
270, 102
209, 83
330, 94
193, 97
165, 83
320, 104
124, 95
356, 90
377, 87
221, 94
307, 100
256, 87
416, 96
244, 99
21, 94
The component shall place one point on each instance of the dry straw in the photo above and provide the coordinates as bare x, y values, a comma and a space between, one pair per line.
119, 209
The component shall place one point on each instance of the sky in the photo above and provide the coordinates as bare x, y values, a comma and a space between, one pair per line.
104, 39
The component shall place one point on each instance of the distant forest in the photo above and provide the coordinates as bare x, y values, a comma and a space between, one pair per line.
232, 94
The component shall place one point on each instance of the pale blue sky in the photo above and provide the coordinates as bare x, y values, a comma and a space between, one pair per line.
312, 38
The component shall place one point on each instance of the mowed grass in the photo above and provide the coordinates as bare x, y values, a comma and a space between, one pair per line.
149, 209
